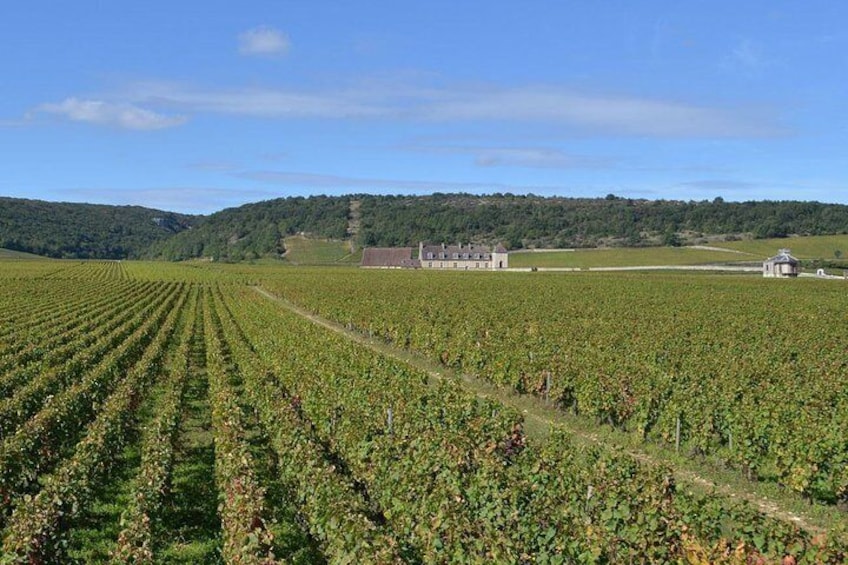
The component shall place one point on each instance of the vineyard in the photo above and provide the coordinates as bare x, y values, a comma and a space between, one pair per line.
160, 413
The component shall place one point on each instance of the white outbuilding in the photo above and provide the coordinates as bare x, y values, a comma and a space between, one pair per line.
781, 265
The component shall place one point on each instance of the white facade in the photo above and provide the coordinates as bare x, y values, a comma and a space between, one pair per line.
781, 265
462, 257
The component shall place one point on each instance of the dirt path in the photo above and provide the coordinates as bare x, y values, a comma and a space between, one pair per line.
540, 417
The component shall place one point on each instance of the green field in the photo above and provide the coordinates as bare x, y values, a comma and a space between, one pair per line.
9, 254
263, 413
623, 257
812, 247
738, 252
305, 251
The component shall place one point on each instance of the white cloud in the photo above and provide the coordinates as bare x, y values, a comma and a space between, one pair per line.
747, 56
603, 114
122, 115
341, 184
717, 185
551, 106
264, 41
14, 123
529, 157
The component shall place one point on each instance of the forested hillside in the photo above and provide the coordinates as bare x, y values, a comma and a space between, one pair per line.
256, 230
532, 221
518, 221
84, 231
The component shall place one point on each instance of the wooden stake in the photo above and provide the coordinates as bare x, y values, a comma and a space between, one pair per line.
677, 436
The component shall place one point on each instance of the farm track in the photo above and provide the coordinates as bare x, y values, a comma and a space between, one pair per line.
541, 418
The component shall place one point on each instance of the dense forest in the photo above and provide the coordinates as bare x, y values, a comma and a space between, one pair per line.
85, 231
518, 221
531, 221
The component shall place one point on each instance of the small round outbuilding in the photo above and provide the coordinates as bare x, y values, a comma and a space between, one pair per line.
781, 265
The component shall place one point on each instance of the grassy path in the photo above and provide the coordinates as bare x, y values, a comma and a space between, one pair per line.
541, 417
192, 515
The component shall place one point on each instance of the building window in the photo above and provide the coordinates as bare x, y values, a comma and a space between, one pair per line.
430, 255
455, 266
476, 265
485, 265
430, 263
456, 256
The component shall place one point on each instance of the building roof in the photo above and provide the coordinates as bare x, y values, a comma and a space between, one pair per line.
783, 258
500, 249
387, 257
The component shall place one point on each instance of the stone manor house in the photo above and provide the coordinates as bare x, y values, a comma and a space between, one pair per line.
454, 257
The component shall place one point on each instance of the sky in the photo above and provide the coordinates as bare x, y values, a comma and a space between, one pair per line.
198, 106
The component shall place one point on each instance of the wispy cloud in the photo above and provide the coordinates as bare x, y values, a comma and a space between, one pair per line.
756, 189
552, 106
121, 115
264, 41
340, 184
747, 56
331, 183
528, 157
14, 123
212, 166
716, 185
275, 156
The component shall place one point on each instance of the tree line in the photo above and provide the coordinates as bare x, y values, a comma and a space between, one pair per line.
518, 221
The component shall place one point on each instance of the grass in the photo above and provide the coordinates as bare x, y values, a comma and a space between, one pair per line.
745, 251
809, 247
9, 254
304, 251
191, 526
94, 533
624, 257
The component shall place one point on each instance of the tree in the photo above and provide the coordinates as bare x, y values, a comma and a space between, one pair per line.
671, 239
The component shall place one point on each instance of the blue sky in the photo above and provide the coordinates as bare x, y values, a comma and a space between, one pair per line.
197, 106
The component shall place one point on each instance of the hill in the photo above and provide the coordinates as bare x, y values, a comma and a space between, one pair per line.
519, 221
534, 221
18, 255
259, 229
84, 231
